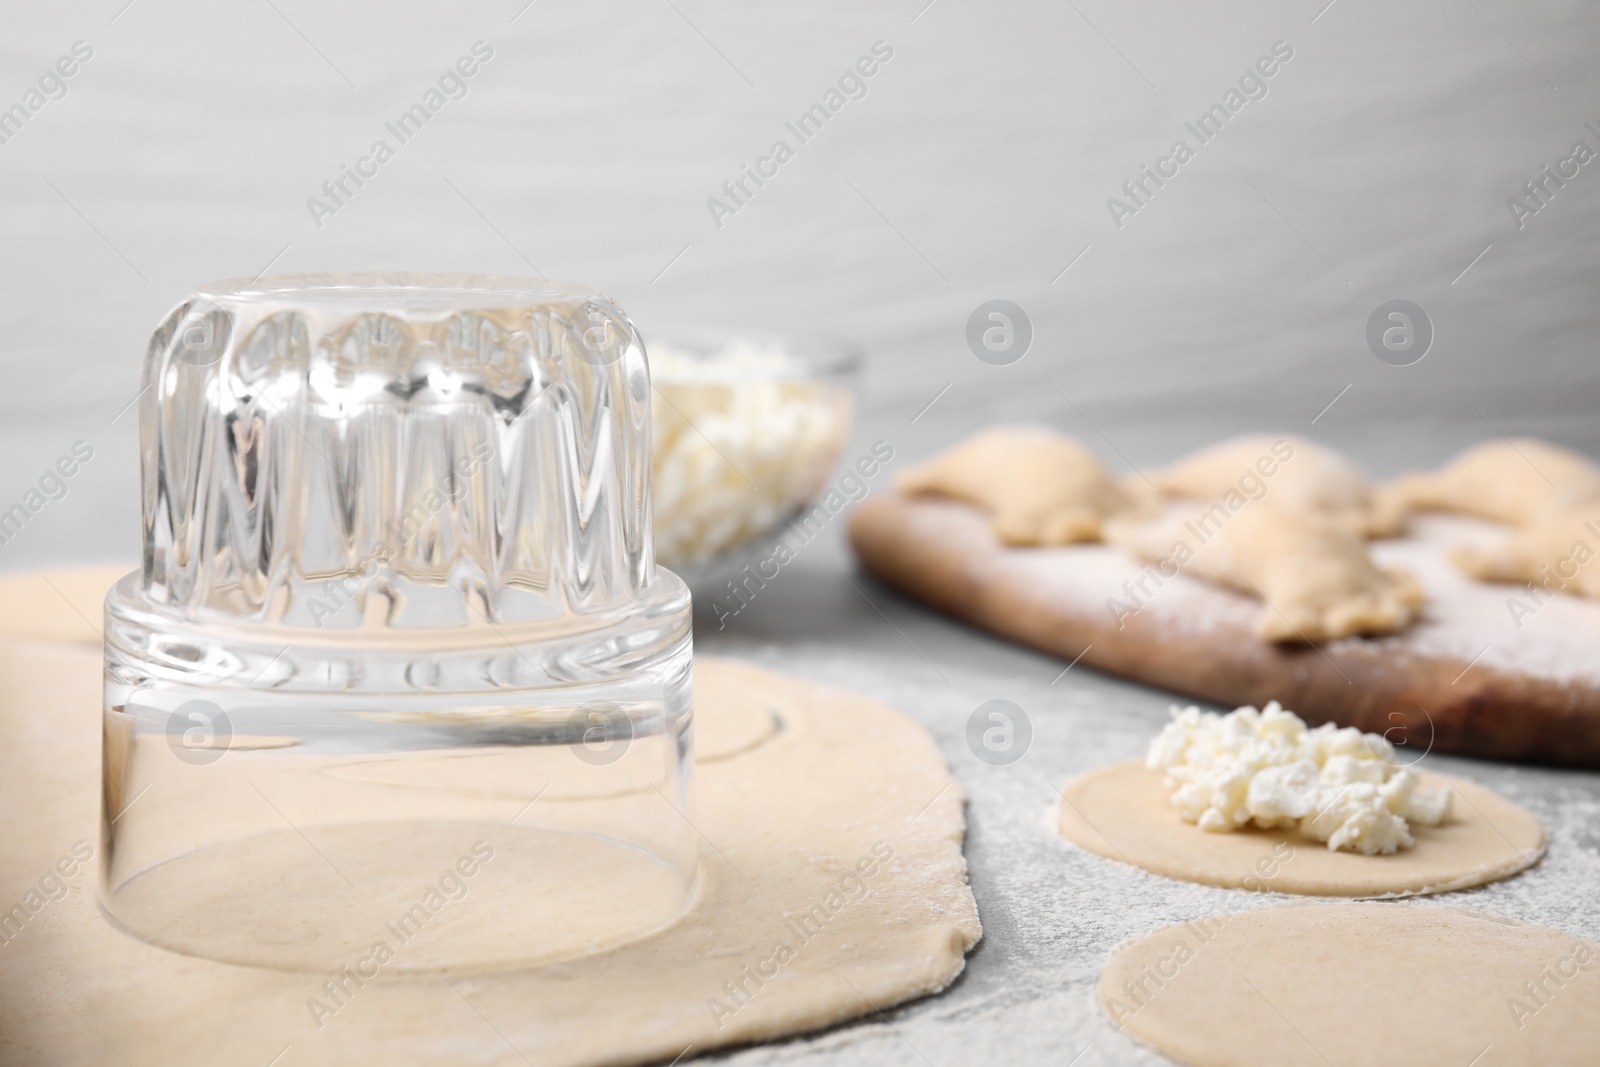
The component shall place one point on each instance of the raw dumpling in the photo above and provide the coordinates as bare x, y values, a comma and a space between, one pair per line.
1039, 487
1555, 551
1295, 473
1311, 567
1512, 481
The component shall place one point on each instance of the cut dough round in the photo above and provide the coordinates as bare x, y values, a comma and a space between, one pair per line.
743, 718
1382, 985
1122, 812
1038, 486
797, 823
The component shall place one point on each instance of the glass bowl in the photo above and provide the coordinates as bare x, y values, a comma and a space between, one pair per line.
747, 430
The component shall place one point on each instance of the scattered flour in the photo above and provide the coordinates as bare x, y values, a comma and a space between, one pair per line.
1464, 620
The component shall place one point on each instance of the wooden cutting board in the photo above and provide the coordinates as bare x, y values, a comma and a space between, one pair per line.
1472, 677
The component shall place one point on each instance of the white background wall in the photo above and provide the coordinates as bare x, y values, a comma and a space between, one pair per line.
977, 166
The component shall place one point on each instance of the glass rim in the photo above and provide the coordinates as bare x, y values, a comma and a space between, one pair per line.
408, 290
804, 356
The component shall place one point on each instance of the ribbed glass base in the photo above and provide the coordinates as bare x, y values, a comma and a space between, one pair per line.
481, 798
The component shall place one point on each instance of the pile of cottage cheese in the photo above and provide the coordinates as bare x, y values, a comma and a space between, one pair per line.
737, 447
1267, 768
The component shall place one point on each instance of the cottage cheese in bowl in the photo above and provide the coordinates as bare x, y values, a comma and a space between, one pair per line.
747, 431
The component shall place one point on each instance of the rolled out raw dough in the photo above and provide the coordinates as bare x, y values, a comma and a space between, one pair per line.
787, 814
1122, 812
1381, 985
62, 604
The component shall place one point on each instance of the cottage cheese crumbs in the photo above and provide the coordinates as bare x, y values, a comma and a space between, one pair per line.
737, 447
1268, 769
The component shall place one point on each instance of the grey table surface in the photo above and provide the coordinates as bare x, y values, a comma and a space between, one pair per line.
1051, 913
1380, 164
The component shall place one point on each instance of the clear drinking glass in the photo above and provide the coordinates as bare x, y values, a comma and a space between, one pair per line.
399, 686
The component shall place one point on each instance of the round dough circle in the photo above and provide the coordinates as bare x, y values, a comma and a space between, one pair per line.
744, 718
1383, 985
1123, 812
